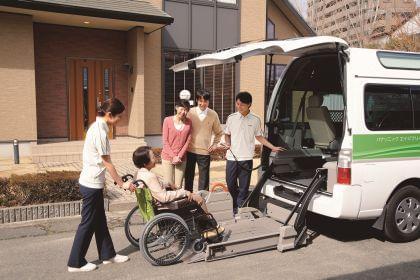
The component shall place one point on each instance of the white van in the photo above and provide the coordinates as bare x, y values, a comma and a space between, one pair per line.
354, 112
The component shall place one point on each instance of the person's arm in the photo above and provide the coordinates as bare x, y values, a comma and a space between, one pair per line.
227, 140
102, 147
161, 194
165, 135
217, 131
106, 159
186, 144
259, 136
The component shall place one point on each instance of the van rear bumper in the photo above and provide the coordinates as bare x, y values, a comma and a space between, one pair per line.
344, 203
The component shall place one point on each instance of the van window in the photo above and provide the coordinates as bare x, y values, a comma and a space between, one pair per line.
394, 60
415, 93
388, 108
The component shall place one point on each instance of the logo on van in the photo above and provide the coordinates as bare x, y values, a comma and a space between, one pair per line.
377, 146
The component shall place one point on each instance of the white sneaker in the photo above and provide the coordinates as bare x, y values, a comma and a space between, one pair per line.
117, 259
87, 267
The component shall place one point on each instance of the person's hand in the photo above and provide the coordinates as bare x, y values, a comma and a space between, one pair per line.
176, 160
225, 146
278, 149
132, 188
189, 196
198, 199
172, 186
212, 148
128, 186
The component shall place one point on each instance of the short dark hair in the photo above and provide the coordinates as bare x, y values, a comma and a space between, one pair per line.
141, 156
113, 106
202, 93
183, 103
244, 97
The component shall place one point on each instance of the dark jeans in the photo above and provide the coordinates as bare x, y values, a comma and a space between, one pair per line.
236, 174
203, 162
93, 221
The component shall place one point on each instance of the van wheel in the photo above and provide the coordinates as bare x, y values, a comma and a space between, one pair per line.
402, 221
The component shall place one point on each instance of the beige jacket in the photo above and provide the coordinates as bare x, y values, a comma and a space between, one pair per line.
158, 188
202, 131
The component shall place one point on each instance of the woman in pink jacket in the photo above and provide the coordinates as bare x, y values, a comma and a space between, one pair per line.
176, 134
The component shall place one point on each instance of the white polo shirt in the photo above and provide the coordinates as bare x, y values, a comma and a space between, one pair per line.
242, 131
96, 145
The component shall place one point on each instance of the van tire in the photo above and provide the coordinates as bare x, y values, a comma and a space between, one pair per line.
402, 197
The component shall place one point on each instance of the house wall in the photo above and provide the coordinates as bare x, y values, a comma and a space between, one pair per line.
17, 79
284, 29
153, 79
136, 108
252, 70
53, 44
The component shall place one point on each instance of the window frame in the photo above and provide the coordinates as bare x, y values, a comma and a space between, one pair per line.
378, 53
408, 87
274, 29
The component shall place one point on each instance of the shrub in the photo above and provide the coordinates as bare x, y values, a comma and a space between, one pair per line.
57, 186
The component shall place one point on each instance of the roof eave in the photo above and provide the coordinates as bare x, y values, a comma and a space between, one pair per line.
85, 11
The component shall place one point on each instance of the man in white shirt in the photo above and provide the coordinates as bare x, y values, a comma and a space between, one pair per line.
242, 128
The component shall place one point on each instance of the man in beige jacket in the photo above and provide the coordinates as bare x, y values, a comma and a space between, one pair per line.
205, 123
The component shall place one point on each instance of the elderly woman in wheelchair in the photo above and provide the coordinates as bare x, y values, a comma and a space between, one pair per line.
175, 217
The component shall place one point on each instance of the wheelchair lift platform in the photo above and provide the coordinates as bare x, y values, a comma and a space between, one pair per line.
282, 227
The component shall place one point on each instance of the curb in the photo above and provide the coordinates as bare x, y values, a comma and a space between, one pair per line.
53, 226
43, 211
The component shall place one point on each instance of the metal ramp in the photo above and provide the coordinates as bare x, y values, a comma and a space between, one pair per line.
280, 227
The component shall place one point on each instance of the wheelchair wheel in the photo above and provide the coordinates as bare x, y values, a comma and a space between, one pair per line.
134, 226
165, 239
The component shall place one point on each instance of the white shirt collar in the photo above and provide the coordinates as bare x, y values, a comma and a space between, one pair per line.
102, 122
199, 112
244, 117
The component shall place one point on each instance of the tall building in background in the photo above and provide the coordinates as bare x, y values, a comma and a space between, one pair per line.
359, 22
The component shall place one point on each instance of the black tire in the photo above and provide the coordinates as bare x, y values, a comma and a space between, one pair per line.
165, 239
134, 226
402, 220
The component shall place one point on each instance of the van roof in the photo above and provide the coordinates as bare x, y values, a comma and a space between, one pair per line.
376, 63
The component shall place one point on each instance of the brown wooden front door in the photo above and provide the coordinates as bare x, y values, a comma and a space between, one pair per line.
90, 82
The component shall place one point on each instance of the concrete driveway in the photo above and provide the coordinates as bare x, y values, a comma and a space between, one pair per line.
341, 250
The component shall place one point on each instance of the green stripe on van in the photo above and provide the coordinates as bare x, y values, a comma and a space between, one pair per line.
376, 146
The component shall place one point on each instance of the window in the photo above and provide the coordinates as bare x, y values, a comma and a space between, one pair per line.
271, 29
219, 80
415, 93
388, 108
395, 60
276, 71
227, 1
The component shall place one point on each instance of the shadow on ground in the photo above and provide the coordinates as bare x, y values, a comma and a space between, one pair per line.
406, 270
343, 230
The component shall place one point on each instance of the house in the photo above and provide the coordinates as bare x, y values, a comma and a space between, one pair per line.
59, 59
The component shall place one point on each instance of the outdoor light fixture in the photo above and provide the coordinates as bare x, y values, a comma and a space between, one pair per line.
128, 67
86, 22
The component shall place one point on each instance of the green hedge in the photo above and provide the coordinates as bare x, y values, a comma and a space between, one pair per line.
57, 186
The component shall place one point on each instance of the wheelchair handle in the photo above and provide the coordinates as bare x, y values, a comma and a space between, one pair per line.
125, 178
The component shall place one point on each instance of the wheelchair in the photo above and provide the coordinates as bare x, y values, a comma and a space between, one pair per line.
166, 231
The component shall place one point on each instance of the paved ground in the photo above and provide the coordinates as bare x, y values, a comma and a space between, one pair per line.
335, 254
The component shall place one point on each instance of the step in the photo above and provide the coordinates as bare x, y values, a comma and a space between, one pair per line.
72, 151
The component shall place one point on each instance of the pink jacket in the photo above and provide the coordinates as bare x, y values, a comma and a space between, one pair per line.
175, 142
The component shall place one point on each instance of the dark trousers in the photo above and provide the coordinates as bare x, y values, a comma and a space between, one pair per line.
238, 180
93, 221
203, 162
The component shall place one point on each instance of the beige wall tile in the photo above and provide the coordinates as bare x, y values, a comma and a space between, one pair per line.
17, 78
